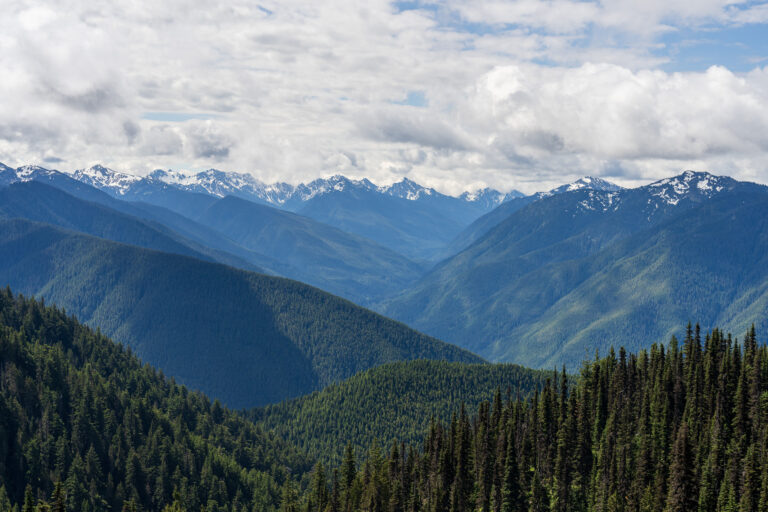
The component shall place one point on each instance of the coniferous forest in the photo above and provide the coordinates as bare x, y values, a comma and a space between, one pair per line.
392, 402
676, 428
384, 256
85, 426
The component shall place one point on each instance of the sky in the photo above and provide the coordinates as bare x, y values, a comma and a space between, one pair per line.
452, 94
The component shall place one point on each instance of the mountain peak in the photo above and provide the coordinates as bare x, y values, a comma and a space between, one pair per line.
215, 173
27, 171
587, 182
98, 168
408, 189
488, 197
105, 178
689, 184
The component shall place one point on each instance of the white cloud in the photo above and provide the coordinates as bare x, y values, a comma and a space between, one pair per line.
611, 112
290, 90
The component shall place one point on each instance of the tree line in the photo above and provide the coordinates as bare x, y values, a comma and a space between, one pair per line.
85, 426
682, 427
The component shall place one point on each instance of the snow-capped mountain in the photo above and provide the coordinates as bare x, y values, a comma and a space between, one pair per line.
220, 183
689, 185
283, 195
649, 200
587, 182
31, 172
10, 175
102, 178
321, 186
602, 194
407, 189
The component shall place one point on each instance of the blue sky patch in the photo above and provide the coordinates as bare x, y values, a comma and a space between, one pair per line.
414, 99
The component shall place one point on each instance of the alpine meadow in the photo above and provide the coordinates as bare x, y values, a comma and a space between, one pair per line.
384, 256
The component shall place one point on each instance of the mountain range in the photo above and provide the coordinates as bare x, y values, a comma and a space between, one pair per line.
228, 230
245, 338
578, 271
405, 217
540, 280
222, 183
484, 224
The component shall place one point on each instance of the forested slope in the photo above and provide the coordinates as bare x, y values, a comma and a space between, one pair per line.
80, 410
342, 263
584, 270
674, 429
245, 338
40, 202
394, 401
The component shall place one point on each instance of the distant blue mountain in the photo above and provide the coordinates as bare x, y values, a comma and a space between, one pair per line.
242, 337
354, 267
416, 221
511, 204
229, 230
585, 269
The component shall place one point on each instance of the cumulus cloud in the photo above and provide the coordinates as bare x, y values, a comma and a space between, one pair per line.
521, 94
611, 112
413, 126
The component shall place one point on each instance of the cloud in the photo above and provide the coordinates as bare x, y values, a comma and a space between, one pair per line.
559, 16
208, 141
161, 140
611, 112
522, 94
410, 126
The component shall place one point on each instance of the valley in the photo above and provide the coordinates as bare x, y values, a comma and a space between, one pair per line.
321, 329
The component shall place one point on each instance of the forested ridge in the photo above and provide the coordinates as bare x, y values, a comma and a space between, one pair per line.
586, 270
245, 338
86, 426
675, 428
680, 427
394, 401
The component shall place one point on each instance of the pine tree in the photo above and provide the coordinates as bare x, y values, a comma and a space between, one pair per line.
319, 497
682, 493
289, 500
29, 500
538, 499
58, 500
511, 493
463, 482
5, 502
348, 468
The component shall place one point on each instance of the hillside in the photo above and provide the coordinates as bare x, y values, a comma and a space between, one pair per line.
341, 263
246, 338
406, 217
582, 270
78, 409
39, 202
674, 429
484, 224
392, 402
228, 230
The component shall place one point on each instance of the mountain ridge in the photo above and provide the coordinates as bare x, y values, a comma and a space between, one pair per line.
530, 270
221, 183
246, 338
405, 217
